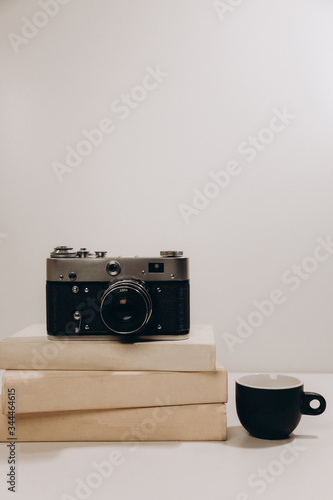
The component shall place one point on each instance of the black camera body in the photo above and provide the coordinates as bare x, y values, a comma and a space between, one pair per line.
91, 296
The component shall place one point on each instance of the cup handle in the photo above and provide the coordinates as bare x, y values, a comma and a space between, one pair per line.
307, 397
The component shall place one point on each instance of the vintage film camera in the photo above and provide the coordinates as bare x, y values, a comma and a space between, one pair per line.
91, 296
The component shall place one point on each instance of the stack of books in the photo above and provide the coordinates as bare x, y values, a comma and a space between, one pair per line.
79, 390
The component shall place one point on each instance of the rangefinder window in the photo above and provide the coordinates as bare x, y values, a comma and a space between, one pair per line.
156, 267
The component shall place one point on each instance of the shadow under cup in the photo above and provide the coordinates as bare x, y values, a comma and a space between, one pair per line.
270, 406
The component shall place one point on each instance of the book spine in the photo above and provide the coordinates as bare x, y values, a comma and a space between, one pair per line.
205, 422
46, 391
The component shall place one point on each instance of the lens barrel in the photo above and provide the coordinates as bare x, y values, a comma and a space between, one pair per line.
126, 307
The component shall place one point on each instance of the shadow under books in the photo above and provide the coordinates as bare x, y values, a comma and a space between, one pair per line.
49, 450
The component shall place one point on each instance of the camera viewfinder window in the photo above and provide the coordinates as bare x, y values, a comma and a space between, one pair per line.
156, 267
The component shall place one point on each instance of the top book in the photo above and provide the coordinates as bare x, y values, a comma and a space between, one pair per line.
31, 349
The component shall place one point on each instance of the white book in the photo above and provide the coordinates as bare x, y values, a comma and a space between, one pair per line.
50, 390
31, 349
206, 422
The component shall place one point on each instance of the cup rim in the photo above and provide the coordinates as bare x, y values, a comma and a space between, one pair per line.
294, 382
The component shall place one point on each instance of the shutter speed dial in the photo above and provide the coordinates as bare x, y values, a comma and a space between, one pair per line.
171, 253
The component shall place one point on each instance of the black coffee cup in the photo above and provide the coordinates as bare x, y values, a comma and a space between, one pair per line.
270, 406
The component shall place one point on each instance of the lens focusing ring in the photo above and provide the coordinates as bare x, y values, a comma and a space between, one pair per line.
137, 287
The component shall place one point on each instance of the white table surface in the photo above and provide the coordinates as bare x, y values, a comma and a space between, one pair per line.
242, 468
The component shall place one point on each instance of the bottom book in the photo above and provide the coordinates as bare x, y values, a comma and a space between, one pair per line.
200, 422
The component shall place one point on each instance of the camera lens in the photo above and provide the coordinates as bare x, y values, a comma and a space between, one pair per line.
126, 307
113, 268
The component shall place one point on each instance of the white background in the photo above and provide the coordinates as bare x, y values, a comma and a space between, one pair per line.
226, 74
